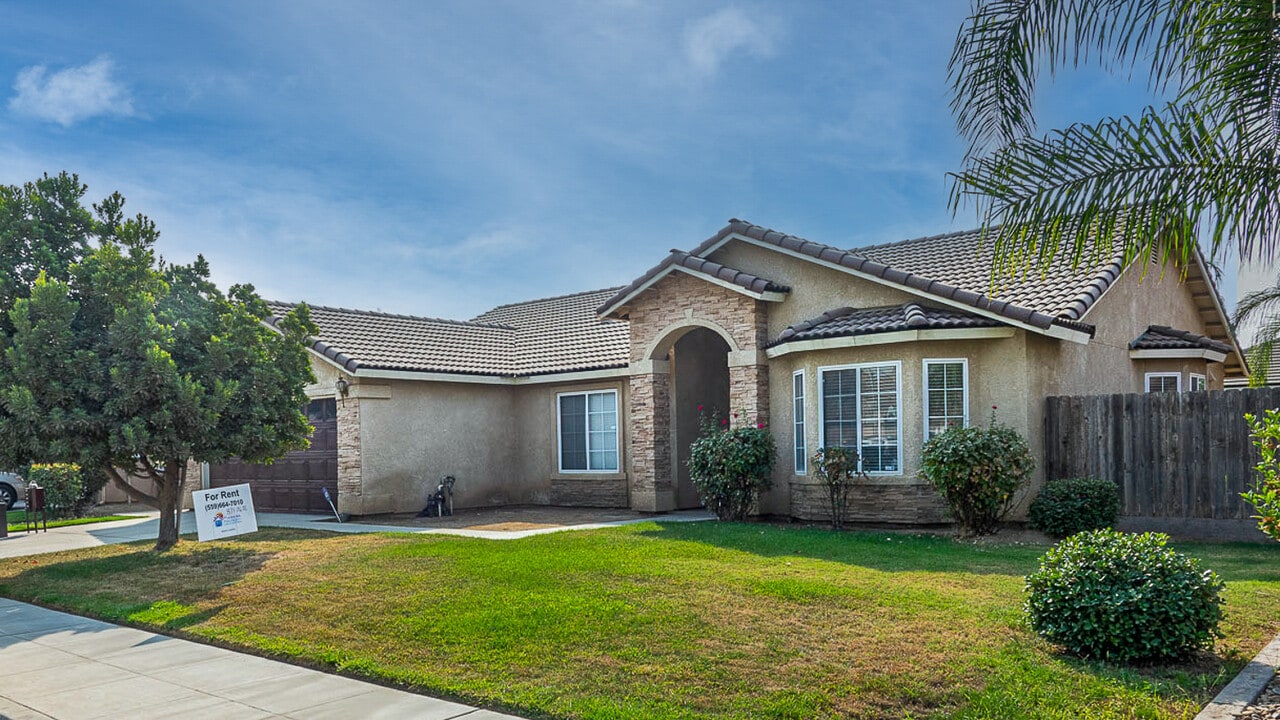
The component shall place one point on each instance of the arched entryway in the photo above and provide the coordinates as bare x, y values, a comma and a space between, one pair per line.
699, 378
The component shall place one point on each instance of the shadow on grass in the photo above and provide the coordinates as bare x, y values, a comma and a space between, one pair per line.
884, 551
895, 551
166, 590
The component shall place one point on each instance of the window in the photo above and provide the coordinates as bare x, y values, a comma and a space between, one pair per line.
797, 416
1198, 383
321, 410
589, 431
946, 395
1164, 382
860, 410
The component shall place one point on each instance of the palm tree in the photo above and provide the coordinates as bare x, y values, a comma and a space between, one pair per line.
1205, 163
1263, 306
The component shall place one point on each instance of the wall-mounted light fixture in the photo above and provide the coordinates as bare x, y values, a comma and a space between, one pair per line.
342, 386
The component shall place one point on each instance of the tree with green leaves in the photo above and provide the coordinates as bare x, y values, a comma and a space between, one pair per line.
1150, 185
122, 362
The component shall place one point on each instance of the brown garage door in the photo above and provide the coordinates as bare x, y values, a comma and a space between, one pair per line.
294, 482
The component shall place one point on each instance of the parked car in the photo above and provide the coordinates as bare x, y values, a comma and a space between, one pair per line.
12, 488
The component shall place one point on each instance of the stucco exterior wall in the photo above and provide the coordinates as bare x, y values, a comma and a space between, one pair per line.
814, 289
411, 433
998, 375
537, 449
1129, 306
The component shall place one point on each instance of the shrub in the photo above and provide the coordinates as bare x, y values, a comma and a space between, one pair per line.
836, 468
1265, 498
1126, 598
63, 486
977, 471
1066, 507
730, 467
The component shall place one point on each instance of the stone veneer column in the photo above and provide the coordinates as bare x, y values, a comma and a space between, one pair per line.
350, 481
748, 388
651, 486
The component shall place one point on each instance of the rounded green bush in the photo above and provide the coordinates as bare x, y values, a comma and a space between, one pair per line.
1066, 507
977, 471
1123, 597
730, 467
63, 485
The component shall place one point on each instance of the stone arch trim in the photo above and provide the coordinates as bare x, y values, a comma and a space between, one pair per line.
667, 337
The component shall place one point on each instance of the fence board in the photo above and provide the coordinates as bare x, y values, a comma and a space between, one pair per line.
1172, 455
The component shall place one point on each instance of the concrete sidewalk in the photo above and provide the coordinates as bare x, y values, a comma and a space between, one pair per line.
145, 528
55, 665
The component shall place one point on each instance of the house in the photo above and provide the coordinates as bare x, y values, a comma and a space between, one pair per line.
592, 399
1272, 378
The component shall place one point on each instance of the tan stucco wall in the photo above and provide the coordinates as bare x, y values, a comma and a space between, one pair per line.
997, 376
421, 431
537, 448
814, 289
499, 441
1133, 303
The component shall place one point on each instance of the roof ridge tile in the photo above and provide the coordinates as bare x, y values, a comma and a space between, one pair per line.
395, 316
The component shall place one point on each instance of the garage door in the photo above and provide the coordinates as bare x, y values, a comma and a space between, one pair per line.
293, 483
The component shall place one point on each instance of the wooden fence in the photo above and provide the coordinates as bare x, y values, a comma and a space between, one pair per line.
1173, 455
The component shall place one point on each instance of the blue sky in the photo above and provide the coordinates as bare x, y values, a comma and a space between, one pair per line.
440, 158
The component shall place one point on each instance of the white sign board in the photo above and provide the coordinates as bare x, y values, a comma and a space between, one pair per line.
224, 512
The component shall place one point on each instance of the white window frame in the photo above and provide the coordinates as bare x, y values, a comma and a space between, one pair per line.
799, 443
1146, 381
924, 387
822, 409
617, 423
1204, 382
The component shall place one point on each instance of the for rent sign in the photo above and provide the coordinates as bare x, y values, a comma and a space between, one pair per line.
224, 512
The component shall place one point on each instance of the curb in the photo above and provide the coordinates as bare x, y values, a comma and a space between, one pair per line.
1241, 692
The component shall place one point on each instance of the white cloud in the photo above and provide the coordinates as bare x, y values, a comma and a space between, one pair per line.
709, 41
71, 95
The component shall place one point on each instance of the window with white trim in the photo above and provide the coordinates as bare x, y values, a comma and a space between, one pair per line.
946, 395
861, 407
1198, 383
1164, 382
797, 417
588, 425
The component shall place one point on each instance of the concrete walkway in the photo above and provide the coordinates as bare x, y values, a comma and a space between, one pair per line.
146, 527
55, 665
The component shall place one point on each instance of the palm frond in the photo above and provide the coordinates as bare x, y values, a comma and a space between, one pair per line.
1144, 188
1233, 67
1257, 305
1004, 45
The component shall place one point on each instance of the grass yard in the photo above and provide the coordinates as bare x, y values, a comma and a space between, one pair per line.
658, 620
19, 525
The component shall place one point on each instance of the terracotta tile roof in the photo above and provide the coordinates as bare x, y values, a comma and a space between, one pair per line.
1160, 337
692, 261
952, 267
848, 321
361, 339
560, 334
563, 334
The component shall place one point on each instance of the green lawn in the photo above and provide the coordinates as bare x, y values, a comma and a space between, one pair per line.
19, 525
658, 620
